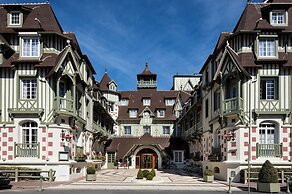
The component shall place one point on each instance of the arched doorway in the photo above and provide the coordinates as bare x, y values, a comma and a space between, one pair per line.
146, 158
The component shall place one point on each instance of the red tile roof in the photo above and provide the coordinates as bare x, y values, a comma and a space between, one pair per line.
146, 71
104, 83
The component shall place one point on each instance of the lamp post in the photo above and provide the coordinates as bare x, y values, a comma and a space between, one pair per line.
249, 134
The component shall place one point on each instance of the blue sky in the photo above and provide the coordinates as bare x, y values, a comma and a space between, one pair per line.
173, 36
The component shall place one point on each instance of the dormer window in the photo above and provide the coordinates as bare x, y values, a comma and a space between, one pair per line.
169, 102
15, 18
146, 101
30, 47
161, 113
112, 87
267, 47
133, 113
124, 102
278, 18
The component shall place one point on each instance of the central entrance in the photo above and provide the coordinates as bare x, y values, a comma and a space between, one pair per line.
146, 159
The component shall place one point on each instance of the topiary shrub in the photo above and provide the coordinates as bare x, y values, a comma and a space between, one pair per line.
209, 172
153, 172
140, 174
149, 177
268, 174
90, 170
145, 173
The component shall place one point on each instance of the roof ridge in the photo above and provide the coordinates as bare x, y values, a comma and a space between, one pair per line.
37, 3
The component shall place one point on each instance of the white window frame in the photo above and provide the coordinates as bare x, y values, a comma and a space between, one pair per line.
267, 133
166, 130
147, 129
19, 18
160, 113
29, 129
178, 156
133, 113
271, 88
30, 90
146, 101
169, 102
264, 47
277, 14
124, 102
127, 130
30, 47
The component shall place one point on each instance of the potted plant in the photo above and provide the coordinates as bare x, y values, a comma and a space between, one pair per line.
208, 176
90, 173
268, 179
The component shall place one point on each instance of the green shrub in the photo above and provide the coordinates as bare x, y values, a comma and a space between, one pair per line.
268, 174
153, 172
90, 170
149, 177
209, 172
145, 173
140, 174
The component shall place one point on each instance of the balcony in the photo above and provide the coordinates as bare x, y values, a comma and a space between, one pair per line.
26, 107
64, 105
97, 128
269, 150
193, 131
232, 106
26, 150
272, 107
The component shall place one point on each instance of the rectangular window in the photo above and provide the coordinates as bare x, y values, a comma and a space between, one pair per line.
147, 129
146, 102
278, 18
206, 108
133, 113
111, 157
124, 102
160, 113
28, 89
14, 18
267, 47
169, 102
30, 47
127, 130
216, 100
166, 130
269, 89
207, 76
178, 156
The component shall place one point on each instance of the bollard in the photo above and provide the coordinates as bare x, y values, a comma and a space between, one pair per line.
41, 184
16, 175
51, 175
229, 190
287, 184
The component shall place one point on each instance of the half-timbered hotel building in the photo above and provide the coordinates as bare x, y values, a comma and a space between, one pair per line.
52, 113
147, 135
241, 110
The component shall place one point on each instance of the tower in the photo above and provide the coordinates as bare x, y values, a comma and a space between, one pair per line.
146, 79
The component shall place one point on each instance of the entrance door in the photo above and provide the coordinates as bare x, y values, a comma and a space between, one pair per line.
147, 160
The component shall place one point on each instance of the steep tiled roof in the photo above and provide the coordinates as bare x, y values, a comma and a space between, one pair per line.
104, 82
157, 102
121, 145
45, 18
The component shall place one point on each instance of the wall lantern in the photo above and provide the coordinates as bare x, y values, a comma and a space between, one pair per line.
65, 136
231, 135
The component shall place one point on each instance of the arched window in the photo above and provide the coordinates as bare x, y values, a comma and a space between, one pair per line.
29, 132
267, 133
216, 170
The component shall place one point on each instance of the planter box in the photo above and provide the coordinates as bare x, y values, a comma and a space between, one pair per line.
90, 177
268, 187
208, 179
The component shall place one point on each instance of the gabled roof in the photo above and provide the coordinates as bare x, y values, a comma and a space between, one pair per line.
45, 18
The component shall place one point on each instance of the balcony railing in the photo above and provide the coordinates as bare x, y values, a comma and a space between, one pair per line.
146, 83
97, 128
196, 129
232, 105
269, 150
64, 104
27, 150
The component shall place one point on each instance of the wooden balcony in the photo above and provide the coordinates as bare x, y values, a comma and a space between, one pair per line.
232, 106
64, 105
146, 84
272, 107
269, 150
27, 150
194, 130
97, 128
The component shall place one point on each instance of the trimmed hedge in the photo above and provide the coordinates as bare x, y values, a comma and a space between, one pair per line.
145, 173
149, 176
90, 170
268, 174
153, 172
140, 174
